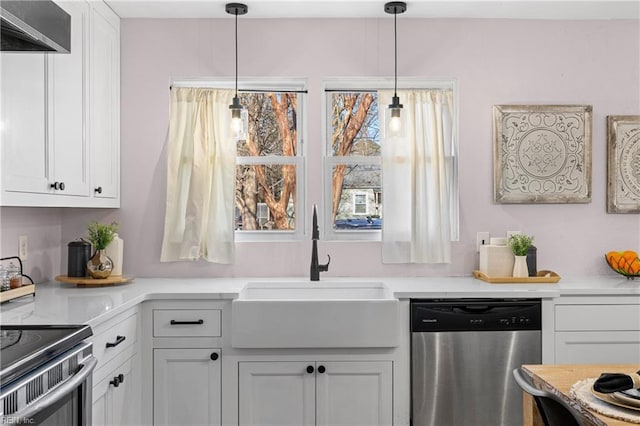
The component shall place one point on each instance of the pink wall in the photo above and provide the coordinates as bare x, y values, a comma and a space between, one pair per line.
494, 62
43, 229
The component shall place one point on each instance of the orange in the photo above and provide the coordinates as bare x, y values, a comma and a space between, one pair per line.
630, 255
613, 258
634, 267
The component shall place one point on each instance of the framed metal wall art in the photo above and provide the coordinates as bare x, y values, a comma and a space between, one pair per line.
542, 154
623, 164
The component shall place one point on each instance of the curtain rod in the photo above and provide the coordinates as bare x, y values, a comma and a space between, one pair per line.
351, 90
254, 90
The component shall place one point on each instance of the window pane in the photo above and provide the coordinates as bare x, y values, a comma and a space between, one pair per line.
265, 196
356, 197
354, 124
272, 124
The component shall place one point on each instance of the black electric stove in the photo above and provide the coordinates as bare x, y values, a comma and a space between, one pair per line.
24, 348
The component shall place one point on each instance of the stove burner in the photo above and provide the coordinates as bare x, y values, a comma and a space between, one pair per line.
10, 338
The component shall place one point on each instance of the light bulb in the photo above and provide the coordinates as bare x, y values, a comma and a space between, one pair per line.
395, 124
236, 125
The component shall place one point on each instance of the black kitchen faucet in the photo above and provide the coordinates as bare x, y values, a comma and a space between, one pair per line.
316, 267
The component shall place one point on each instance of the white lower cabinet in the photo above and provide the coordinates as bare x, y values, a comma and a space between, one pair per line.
315, 393
116, 394
592, 331
187, 387
116, 398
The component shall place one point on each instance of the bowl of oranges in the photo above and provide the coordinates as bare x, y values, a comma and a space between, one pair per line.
624, 262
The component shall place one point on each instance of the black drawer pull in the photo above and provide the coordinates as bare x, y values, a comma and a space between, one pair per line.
321, 369
198, 322
119, 339
98, 190
310, 369
214, 356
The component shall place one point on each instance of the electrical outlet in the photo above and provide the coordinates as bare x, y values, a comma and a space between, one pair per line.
482, 239
23, 248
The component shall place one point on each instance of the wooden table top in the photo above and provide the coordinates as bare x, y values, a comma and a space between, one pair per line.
562, 377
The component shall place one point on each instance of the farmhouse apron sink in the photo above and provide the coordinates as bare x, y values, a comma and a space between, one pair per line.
315, 315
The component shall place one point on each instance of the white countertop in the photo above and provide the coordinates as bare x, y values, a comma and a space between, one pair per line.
59, 303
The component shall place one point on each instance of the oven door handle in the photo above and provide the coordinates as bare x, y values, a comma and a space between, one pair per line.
67, 387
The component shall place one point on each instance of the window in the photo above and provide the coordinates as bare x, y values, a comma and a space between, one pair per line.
353, 161
359, 203
270, 170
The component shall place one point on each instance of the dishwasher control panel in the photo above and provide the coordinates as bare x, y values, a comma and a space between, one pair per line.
428, 315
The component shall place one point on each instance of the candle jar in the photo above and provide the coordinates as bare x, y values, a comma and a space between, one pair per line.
14, 276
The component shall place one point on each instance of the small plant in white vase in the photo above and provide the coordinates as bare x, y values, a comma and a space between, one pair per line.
520, 245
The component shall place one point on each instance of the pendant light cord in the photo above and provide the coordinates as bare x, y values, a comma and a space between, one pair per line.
236, 52
395, 39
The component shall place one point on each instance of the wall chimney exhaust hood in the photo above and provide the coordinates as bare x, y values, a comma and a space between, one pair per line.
35, 26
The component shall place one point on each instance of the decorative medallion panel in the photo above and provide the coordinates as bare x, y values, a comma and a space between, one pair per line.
623, 164
542, 153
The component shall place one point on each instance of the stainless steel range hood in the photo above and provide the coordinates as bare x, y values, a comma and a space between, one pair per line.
34, 25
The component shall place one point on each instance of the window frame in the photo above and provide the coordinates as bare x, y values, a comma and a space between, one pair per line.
299, 161
364, 84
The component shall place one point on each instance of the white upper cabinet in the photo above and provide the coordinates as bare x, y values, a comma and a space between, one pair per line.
23, 145
68, 97
105, 103
58, 115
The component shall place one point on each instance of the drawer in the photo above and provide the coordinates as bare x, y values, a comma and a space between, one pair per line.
187, 323
119, 334
597, 317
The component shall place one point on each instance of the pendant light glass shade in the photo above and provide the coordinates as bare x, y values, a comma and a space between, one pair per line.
394, 120
239, 120
239, 116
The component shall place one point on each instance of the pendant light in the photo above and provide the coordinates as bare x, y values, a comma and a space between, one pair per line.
238, 114
394, 119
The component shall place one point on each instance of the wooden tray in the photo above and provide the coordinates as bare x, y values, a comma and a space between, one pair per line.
544, 277
17, 292
94, 282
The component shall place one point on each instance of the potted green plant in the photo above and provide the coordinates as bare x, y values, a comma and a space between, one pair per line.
520, 245
100, 235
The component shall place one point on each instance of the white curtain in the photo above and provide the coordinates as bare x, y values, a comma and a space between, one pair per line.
201, 161
419, 179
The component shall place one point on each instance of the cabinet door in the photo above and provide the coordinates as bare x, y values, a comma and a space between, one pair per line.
276, 393
68, 75
186, 387
25, 165
116, 399
354, 393
105, 102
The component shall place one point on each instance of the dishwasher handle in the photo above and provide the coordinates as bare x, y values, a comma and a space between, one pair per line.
473, 309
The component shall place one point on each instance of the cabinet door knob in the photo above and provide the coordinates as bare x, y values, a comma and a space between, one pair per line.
214, 356
321, 369
116, 381
310, 369
119, 339
57, 186
98, 190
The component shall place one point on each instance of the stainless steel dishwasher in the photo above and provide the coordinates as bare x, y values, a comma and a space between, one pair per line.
462, 355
